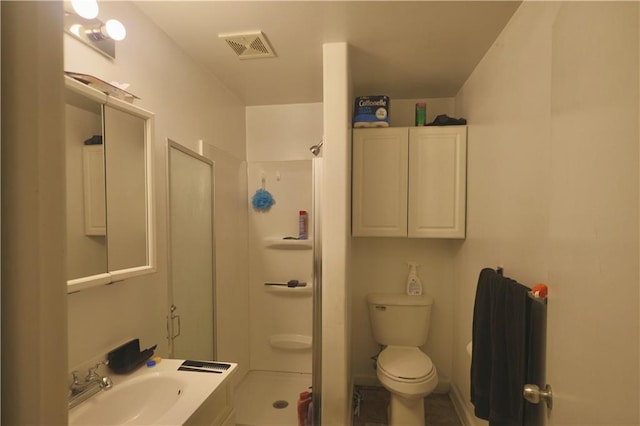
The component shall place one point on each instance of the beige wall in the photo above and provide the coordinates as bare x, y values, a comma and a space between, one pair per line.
33, 222
553, 197
336, 244
403, 111
283, 132
232, 258
190, 104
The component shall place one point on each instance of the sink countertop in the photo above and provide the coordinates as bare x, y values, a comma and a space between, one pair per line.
194, 388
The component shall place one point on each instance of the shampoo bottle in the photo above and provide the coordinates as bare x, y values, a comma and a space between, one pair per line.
303, 225
414, 285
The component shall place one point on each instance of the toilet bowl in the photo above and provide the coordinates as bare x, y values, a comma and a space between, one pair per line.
409, 375
401, 324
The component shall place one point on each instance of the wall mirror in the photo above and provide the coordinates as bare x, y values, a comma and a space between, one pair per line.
110, 220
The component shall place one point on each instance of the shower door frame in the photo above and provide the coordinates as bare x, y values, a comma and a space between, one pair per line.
317, 169
170, 312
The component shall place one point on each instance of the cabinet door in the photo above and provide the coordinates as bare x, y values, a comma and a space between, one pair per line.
126, 189
130, 236
437, 181
380, 182
85, 187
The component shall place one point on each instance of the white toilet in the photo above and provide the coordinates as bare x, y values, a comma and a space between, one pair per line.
401, 323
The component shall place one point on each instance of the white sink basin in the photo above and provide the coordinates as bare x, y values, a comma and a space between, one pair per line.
159, 395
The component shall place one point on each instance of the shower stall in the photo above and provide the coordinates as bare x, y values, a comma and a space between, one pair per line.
284, 285
284, 281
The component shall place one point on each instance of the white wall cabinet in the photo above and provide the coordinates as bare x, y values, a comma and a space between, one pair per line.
409, 182
110, 220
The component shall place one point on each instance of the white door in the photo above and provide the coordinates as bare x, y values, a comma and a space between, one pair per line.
191, 263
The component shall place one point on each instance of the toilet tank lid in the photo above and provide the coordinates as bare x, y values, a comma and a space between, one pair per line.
399, 299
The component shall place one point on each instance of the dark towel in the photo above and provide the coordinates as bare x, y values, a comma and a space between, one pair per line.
445, 120
498, 363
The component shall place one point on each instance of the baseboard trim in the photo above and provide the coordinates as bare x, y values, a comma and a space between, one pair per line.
467, 418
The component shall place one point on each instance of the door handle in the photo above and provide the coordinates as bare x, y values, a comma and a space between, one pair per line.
174, 316
534, 395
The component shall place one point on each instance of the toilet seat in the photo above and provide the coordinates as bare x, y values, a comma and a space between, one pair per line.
406, 364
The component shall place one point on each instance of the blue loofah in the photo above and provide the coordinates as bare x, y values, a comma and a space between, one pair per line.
262, 200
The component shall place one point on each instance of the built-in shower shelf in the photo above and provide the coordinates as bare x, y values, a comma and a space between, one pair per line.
291, 342
287, 244
290, 291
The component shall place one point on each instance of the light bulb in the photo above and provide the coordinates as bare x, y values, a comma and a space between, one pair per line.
115, 29
88, 9
75, 29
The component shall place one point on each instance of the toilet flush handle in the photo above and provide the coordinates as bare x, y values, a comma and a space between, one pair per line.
533, 394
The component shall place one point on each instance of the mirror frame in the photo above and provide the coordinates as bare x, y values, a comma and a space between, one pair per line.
111, 277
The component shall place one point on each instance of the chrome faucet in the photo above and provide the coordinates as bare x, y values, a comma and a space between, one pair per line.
93, 383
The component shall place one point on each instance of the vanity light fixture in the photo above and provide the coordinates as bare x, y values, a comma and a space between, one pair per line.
75, 29
115, 29
112, 29
88, 9
81, 22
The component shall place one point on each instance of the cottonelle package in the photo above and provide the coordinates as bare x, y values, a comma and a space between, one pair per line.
371, 111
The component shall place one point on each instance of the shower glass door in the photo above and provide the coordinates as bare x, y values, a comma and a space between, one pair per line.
191, 265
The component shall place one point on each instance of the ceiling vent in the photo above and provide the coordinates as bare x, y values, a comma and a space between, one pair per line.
249, 45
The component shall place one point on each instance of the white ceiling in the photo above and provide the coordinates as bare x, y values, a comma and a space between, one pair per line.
406, 50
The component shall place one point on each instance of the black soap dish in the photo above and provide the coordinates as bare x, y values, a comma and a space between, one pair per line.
128, 357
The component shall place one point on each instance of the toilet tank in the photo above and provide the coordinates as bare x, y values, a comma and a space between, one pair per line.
400, 319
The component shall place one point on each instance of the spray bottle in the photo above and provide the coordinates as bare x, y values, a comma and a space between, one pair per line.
414, 285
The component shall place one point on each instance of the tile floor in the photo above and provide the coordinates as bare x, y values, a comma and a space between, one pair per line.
270, 399
438, 408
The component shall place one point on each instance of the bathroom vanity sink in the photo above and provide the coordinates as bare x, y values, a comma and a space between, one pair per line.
160, 395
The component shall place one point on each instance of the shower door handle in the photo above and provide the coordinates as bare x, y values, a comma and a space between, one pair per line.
174, 316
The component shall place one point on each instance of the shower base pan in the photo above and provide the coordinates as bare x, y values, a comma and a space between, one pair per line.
267, 398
